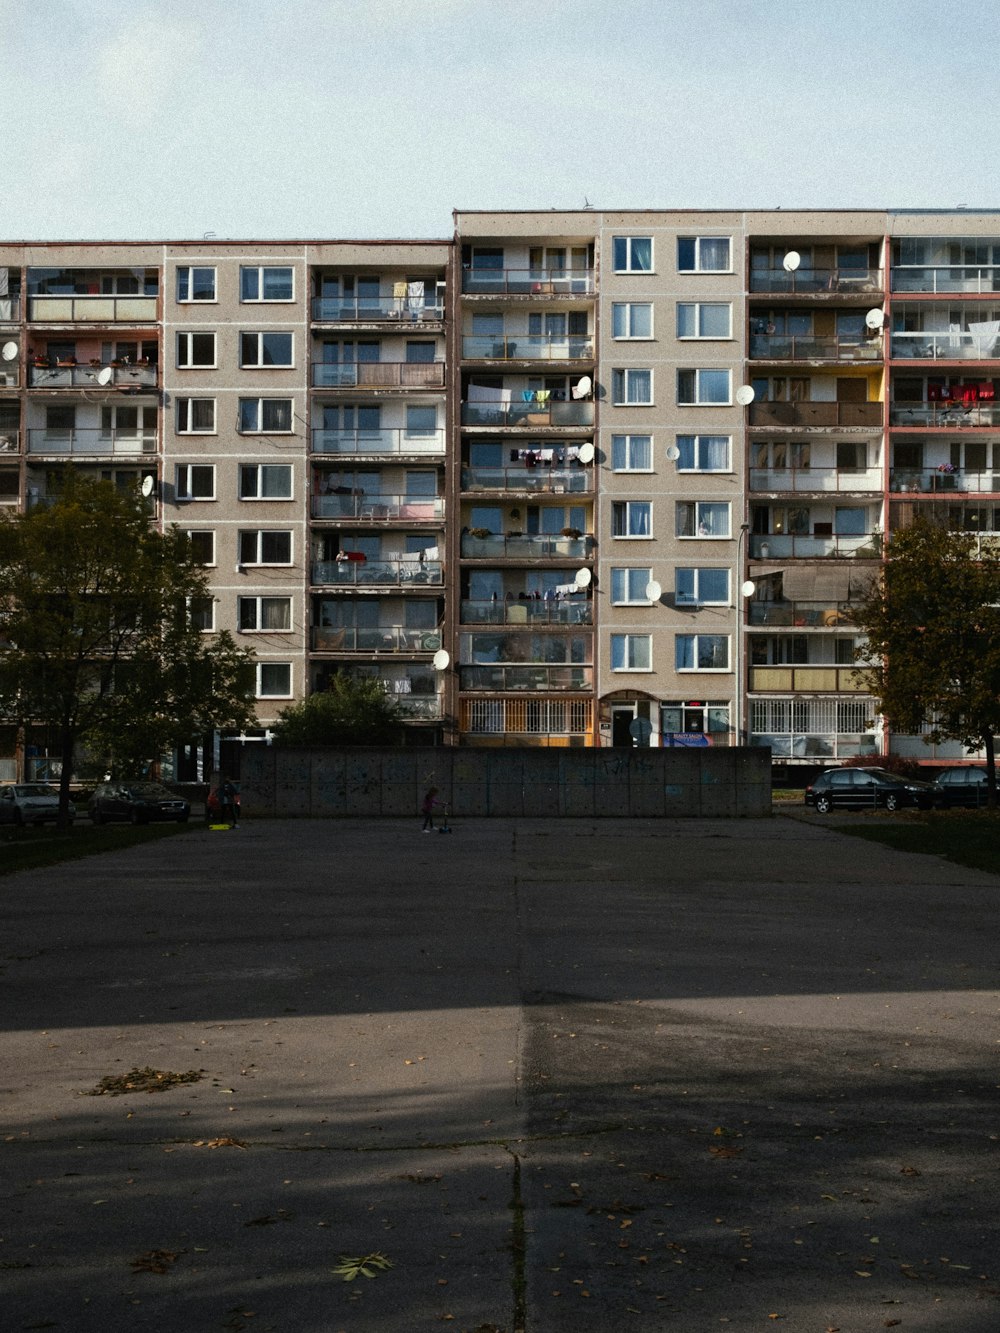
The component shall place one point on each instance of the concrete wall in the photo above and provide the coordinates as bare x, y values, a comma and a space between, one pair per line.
519, 783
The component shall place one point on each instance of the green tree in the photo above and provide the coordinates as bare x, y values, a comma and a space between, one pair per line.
932, 623
99, 644
351, 711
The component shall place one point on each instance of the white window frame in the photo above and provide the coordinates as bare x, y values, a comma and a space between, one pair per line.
628, 442
190, 533
630, 267
259, 335
183, 408
185, 350
258, 470
628, 506
261, 428
621, 386
260, 270
702, 670
641, 571
259, 690
259, 534
257, 601
697, 439
698, 307
697, 536
628, 307
696, 598
629, 643
698, 241
183, 475
210, 600
698, 400
184, 285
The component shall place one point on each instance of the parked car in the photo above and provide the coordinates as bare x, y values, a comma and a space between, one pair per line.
31, 803
960, 786
139, 802
866, 789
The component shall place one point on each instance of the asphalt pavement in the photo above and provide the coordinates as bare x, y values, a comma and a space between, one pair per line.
539, 1075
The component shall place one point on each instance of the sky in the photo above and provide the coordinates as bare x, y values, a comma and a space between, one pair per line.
298, 119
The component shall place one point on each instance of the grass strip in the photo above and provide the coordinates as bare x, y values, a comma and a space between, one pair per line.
969, 838
36, 848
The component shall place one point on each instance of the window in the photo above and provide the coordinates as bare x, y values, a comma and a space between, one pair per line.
686, 716
195, 416
274, 680
265, 547
202, 613
703, 254
701, 587
701, 319
265, 349
273, 415
631, 518
630, 320
631, 652
701, 652
195, 481
628, 586
420, 421
702, 518
265, 481
195, 350
632, 387
633, 254
701, 388
632, 453
202, 545
264, 613
703, 453
266, 284
195, 284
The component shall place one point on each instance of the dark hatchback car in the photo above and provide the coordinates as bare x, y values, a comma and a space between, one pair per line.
138, 802
961, 786
866, 789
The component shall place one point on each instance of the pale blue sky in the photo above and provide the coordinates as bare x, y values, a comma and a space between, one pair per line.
375, 118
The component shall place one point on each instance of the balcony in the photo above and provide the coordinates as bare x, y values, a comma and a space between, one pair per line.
933, 481
10, 374
377, 573
808, 281
806, 679
499, 679
378, 443
527, 347
866, 416
374, 310
92, 309
378, 375
945, 279
529, 415
945, 415
941, 346
92, 441
542, 479
10, 309
379, 508
816, 479
784, 546
808, 347
10, 440
533, 612
381, 639
802, 615
57, 376
525, 547
528, 282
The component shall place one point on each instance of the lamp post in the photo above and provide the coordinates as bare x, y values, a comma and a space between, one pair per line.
747, 589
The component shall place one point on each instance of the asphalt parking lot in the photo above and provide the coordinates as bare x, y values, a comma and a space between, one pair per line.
543, 1075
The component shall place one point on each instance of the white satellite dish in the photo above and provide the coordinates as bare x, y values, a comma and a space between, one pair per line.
10, 351
875, 318
585, 453
582, 390
745, 395
653, 591
791, 261
105, 376
148, 484
673, 453
582, 579
748, 588
442, 660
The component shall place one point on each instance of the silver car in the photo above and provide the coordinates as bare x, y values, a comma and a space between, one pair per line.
31, 803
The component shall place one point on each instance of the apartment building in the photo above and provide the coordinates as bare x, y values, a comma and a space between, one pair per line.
566, 478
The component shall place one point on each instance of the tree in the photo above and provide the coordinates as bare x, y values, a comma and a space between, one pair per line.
98, 640
351, 711
932, 623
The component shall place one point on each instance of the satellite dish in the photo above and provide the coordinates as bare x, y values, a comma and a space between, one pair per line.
653, 591
585, 453
745, 395
875, 318
10, 351
148, 484
442, 660
748, 588
582, 390
673, 453
583, 577
791, 261
105, 376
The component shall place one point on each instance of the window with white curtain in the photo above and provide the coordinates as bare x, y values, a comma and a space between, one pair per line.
632, 387
633, 254
701, 652
265, 481
631, 652
631, 518
702, 518
704, 453
628, 586
264, 613
631, 319
273, 415
704, 254
704, 319
632, 453
274, 680
704, 387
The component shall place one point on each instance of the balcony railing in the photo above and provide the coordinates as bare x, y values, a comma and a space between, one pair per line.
832, 679
377, 442
940, 346
381, 639
575, 610
806, 615
947, 278
379, 508
944, 414
867, 415
818, 745
527, 281
528, 414
501, 678
782, 546
10, 375
543, 478
10, 441
819, 479
527, 347
373, 309
378, 375
88, 441
92, 309
377, 573
806, 281
808, 347
526, 547
426, 707
86, 377
935, 480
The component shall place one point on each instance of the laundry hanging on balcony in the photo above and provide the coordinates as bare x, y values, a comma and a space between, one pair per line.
415, 299
985, 332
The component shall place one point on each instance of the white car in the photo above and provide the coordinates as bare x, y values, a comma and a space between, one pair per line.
31, 803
